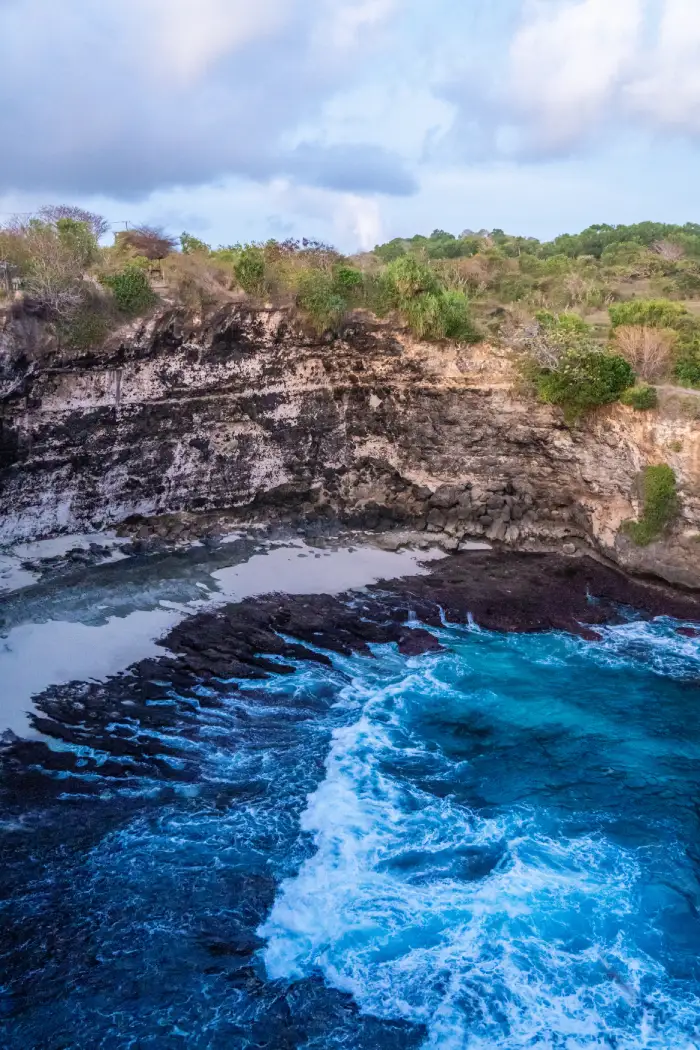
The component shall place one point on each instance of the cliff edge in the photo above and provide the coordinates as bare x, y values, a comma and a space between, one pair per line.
250, 411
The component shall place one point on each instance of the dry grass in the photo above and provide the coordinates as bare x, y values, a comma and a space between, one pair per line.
648, 350
196, 280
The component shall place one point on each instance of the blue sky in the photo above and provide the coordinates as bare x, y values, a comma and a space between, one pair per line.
352, 120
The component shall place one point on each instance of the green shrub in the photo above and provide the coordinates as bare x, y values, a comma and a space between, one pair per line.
654, 313
318, 296
660, 505
565, 326
429, 310
455, 318
687, 371
408, 278
250, 269
131, 290
348, 280
584, 378
641, 397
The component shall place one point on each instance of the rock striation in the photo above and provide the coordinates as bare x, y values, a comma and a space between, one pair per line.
248, 411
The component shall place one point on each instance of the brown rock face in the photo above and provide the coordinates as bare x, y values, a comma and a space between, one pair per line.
246, 410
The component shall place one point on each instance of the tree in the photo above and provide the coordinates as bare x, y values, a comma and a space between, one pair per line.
53, 213
150, 242
190, 245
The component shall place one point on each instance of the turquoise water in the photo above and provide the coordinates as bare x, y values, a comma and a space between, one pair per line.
493, 846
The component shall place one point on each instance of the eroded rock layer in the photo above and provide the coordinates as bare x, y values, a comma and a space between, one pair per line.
248, 410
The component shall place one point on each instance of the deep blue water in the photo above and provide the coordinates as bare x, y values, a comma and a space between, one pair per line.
495, 846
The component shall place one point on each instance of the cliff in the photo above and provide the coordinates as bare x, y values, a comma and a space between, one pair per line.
248, 410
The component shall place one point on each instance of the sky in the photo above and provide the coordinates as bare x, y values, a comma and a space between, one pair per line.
352, 121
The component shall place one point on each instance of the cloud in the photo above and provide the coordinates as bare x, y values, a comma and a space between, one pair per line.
573, 71
567, 62
668, 91
187, 38
123, 99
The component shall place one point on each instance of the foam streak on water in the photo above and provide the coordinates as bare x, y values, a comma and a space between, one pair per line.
527, 921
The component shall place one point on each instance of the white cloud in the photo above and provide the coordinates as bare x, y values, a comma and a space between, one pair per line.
187, 36
567, 62
348, 18
668, 91
130, 97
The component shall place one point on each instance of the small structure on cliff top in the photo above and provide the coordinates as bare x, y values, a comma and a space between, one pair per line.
10, 281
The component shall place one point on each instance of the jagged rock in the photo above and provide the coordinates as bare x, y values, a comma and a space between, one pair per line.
446, 496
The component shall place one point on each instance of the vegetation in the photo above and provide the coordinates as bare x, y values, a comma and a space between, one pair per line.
566, 367
658, 485
648, 350
642, 397
585, 310
131, 289
583, 379
146, 242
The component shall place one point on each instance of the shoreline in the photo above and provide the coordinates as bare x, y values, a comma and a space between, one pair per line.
91, 621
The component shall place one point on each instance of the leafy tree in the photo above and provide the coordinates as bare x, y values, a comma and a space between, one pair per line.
79, 240
190, 244
53, 213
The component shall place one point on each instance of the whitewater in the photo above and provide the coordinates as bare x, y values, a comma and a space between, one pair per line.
490, 846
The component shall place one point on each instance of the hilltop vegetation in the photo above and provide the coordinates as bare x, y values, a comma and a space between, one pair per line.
589, 314
586, 271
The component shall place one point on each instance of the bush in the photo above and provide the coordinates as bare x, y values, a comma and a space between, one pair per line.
348, 280
584, 378
320, 298
250, 269
566, 328
642, 397
648, 350
455, 318
53, 266
687, 370
431, 312
654, 313
131, 290
660, 498
408, 278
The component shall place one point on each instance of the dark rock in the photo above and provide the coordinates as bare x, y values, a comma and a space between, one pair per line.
437, 518
446, 496
416, 641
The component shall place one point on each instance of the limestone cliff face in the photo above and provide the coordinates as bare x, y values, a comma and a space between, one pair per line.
248, 410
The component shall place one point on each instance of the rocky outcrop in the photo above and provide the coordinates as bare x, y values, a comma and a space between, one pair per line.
250, 412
